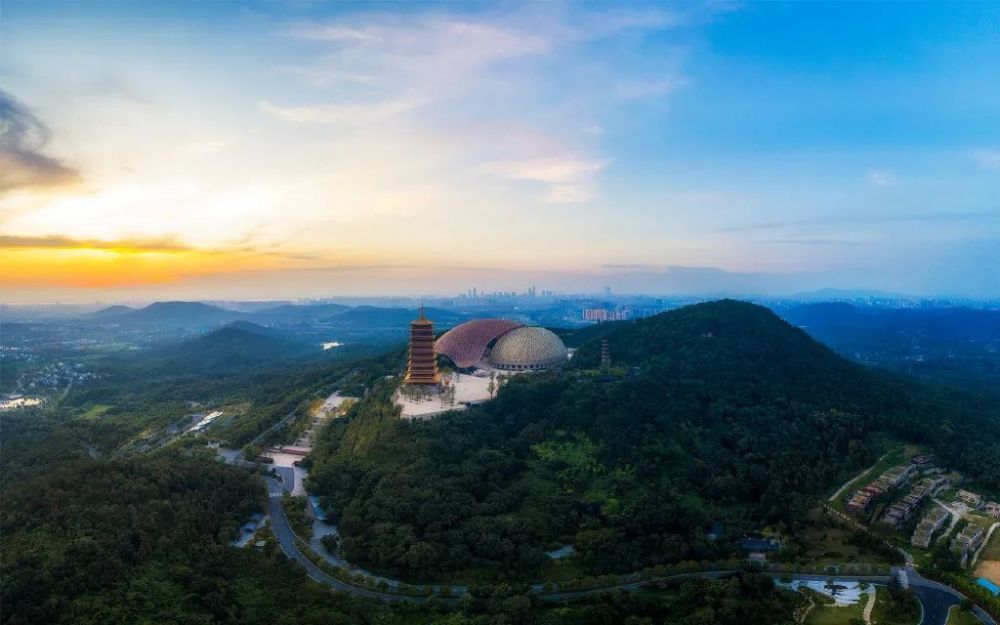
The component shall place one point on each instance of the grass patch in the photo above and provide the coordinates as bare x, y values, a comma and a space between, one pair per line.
958, 616
992, 549
901, 609
95, 411
836, 615
826, 541
295, 512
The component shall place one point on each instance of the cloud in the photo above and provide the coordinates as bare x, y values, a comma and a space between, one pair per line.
447, 73
569, 194
809, 242
987, 159
23, 138
67, 243
638, 90
345, 114
207, 146
330, 32
867, 220
550, 170
631, 267
569, 178
439, 55
881, 178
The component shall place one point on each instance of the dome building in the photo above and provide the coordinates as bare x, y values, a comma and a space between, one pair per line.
501, 344
528, 349
467, 343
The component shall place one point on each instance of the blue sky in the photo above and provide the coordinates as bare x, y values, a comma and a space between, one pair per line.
300, 149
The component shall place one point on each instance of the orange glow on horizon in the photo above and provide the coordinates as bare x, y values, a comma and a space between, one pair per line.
86, 267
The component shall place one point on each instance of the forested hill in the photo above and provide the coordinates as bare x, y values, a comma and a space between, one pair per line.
746, 348
719, 411
758, 357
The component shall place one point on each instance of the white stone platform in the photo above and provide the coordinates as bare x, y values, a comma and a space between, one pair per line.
431, 401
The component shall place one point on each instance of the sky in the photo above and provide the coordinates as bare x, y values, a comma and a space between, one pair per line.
256, 150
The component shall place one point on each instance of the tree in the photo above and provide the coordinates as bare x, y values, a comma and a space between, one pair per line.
251, 452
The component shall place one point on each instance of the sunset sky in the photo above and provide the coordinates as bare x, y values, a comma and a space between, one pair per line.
291, 149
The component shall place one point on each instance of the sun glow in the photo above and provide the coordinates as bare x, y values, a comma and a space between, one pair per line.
116, 266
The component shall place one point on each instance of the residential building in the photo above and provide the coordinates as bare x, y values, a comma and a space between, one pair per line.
968, 498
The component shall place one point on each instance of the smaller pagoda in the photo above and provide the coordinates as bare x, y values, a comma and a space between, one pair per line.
421, 367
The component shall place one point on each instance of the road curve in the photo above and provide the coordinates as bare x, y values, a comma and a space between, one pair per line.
935, 597
286, 538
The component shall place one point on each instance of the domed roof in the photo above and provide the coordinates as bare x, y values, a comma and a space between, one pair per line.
530, 348
466, 343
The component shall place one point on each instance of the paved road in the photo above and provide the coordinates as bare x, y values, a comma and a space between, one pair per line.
935, 597
867, 614
283, 532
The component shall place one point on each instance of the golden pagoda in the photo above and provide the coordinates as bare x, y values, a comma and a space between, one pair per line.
421, 367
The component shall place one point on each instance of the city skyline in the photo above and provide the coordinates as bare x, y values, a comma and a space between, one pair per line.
260, 150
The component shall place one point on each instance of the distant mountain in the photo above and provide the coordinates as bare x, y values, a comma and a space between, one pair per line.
110, 311
195, 315
187, 314
941, 323
397, 316
246, 330
848, 294
292, 312
237, 346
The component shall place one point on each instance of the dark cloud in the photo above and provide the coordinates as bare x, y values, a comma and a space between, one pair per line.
61, 242
23, 162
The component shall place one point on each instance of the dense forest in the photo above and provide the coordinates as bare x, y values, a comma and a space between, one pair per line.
140, 399
146, 541
715, 412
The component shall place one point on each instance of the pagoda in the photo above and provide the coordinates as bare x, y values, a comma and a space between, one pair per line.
421, 367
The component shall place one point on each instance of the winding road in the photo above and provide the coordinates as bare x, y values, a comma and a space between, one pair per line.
286, 538
936, 598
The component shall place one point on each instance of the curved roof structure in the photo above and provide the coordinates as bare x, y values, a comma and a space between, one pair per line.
466, 343
528, 348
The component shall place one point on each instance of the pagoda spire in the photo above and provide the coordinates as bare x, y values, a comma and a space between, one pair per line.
421, 366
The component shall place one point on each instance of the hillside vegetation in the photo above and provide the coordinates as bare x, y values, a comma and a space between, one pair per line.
727, 414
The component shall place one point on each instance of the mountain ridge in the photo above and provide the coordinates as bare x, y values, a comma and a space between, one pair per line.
727, 413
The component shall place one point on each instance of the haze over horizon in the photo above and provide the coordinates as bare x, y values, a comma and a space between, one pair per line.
268, 150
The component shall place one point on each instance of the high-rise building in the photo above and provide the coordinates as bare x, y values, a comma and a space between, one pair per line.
421, 367
605, 355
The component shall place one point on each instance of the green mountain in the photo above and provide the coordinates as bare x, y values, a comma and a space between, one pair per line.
237, 346
178, 314
110, 311
717, 412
